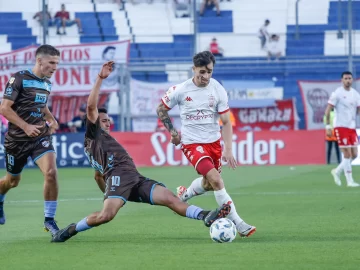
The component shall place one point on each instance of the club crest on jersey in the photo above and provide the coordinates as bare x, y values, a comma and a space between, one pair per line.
211, 101
45, 143
200, 149
11, 81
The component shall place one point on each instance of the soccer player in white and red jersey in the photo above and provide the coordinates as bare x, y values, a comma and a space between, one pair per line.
202, 101
346, 101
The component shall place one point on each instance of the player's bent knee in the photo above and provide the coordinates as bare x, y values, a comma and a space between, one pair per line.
206, 185
214, 178
14, 180
51, 175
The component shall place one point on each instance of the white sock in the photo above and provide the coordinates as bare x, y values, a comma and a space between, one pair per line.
340, 167
348, 171
223, 197
194, 189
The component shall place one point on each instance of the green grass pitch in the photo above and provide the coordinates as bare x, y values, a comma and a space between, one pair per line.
303, 220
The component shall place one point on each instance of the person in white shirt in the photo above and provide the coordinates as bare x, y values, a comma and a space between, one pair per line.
264, 34
346, 101
273, 48
202, 101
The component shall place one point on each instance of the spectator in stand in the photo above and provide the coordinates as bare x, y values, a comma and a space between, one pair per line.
63, 19
215, 49
273, 48
263, 33
39, 17
77, 124
210, 3
182, 8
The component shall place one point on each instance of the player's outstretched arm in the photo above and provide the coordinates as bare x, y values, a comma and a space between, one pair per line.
227, 133
327, 119
91, 109
99, 178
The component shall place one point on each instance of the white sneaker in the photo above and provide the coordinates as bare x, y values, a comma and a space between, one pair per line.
181, 193
353, 184
245, 230
336, 177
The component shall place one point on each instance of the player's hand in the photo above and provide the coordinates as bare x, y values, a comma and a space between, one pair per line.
106, 69
32, 130
229, 158
176, 140
329, 132
53, 126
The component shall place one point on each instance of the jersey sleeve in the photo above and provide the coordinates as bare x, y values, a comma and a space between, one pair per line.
358, 100
13, 88
333, 99
92, 129
171, 98
223, 105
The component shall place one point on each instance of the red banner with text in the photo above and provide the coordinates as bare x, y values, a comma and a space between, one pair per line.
283, 116
249, 148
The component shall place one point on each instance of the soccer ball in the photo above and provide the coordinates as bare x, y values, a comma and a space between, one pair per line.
223, 230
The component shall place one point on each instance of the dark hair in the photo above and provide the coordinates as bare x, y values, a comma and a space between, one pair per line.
267, 21
102, 110
346, 73
204, 58
47, 50
107, 49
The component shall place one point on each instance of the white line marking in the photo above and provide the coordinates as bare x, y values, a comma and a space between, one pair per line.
270, 193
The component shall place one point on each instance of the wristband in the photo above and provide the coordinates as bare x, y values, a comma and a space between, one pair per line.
101, 77
328, 127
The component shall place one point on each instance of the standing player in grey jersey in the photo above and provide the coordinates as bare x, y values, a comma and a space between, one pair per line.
24, 105
117, 176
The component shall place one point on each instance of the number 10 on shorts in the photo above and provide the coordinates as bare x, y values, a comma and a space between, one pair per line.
115, 181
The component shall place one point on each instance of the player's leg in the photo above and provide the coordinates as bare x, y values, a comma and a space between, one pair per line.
222, 197
329, 147
354, 154
109, 211
341, 136
349, 149
194, 153
198, 187
155, 193
119, 186
337, 149
15, 159
45, 158
8, 182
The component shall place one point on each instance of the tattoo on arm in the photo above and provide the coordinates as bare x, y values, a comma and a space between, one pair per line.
162, 112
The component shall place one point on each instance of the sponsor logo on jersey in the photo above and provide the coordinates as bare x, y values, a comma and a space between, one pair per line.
199, 117
40, 98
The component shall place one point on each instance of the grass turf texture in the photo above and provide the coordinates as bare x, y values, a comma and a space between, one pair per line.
303, 221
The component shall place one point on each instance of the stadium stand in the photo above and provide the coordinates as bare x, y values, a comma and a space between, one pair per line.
159, 37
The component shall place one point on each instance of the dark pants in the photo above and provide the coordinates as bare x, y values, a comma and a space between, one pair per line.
329, 149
